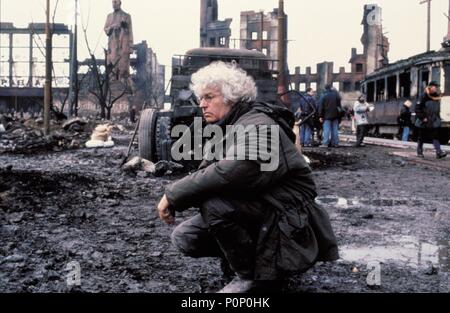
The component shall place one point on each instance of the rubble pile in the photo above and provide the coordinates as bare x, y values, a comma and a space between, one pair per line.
142, 167
27, 137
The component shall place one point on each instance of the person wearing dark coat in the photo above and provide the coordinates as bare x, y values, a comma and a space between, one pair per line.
428, 119
264, 223
307, 108
329, 112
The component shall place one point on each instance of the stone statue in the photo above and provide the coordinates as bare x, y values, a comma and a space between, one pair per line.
119, 30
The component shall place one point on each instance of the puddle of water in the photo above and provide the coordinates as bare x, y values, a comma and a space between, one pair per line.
406, 250
342, 203
352, 202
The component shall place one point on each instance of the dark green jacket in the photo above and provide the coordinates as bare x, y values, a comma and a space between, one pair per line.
430, 109
297, 233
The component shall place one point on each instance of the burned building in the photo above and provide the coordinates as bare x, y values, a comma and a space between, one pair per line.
374, 56
147, 77
22, 65
213, 33
259, 31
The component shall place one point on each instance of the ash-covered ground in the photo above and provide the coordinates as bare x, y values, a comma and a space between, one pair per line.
391, 217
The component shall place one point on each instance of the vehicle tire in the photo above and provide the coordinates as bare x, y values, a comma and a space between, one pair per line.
147, 132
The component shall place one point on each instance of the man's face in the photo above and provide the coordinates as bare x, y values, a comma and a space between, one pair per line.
213, 105
311, 92
433, 89
116, 4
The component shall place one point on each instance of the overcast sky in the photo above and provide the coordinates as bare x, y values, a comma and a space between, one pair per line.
320, 30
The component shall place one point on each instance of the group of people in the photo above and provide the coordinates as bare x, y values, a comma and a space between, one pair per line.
319, 117
329, 112
324, 116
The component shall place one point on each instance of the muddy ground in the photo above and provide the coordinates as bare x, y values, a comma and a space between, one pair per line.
78, 206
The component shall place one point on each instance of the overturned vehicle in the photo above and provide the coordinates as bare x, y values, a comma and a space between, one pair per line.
155, 128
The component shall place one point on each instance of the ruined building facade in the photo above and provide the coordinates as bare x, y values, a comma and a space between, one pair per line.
213, 33
259, 31
149, 75
147, 79
374, 56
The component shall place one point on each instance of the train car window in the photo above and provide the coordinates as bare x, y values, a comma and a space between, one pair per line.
357, 86
436, 74
392, 87
381, 90
405, 85
424, 80
371, 92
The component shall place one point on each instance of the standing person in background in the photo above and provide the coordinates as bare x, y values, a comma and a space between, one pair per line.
329, 107
428, 119
307, 107
360, 110
404, 120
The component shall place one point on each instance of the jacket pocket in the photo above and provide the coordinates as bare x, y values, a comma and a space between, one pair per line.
298, 247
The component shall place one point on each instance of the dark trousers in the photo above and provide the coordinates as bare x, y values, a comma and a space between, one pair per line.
425, 132
361, 133
225, 228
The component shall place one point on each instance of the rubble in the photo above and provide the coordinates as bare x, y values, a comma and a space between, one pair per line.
142, 167
74, 124
20, 139
163, 168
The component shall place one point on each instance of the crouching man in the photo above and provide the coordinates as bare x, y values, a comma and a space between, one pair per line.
264, 223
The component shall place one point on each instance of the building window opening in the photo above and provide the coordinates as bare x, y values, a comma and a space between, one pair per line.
347, 86
336, 86
359, 68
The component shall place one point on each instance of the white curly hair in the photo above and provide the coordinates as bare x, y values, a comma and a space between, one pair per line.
233, 82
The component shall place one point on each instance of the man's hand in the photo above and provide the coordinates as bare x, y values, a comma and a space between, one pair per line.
164, 212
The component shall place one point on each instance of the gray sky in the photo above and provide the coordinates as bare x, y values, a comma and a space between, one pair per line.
320, 30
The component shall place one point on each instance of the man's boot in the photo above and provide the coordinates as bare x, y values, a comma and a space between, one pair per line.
420, 154
238, 285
